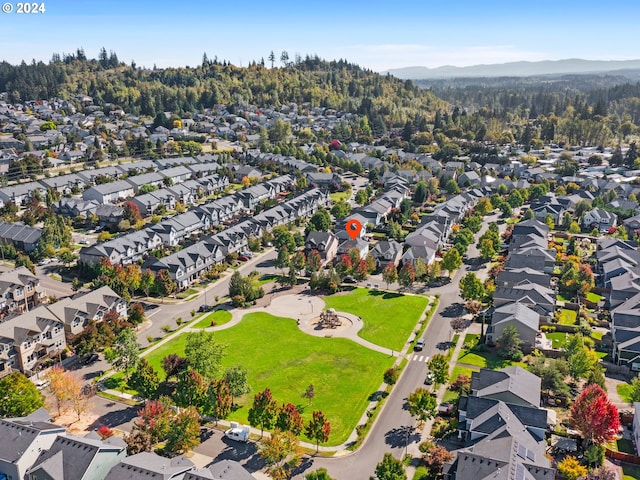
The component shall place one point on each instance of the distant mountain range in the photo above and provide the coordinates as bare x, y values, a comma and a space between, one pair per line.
518, 69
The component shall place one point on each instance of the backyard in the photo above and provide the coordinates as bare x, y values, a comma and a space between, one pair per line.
482, 356
279, 356
388, 318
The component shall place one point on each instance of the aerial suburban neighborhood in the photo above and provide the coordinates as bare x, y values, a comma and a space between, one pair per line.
313, 282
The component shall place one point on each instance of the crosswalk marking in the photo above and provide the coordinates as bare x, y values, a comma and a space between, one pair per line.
418, 358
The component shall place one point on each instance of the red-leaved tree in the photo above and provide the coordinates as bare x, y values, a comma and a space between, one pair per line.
594, 415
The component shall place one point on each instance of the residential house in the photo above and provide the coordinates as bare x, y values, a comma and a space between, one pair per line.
151, 466
76, 312
246, 171
188, 264
109, 216
64, 184
21, 193
111, 192
427, 254
148, 203
537, 298
176, 174
20, 291
385, 252
222, 470
503, 429
601, 219
23, 439
469, 179
21, 236
518, 315
28, 339
326, 243
323, 179
75, 207
357, 243
186, 192
78, 458
152, 178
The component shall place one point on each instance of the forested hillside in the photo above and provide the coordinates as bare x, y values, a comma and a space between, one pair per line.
577, 109
335, 84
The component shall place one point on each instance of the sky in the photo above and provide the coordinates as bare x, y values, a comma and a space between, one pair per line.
374, 34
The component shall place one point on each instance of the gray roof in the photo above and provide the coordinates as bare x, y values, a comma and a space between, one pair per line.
69, 457
150, 466
516, 380
18, 434
223, 470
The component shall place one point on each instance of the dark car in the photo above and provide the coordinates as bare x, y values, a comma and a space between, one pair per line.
204, 308
89, 358
419, 345
242, 258
349, 280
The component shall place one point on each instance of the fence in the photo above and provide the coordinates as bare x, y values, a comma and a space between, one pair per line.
622, 457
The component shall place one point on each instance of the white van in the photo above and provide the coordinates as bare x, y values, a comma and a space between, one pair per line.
239, 433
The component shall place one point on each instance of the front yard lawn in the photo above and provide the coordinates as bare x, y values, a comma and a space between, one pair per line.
279, 356
388, 318
337, 196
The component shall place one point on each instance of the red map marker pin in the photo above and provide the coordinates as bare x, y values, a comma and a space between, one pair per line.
353, 228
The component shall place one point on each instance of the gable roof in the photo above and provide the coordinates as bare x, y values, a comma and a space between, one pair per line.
516, 380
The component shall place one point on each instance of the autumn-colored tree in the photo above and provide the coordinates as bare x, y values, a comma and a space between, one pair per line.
173, 364
436, 458
571, 468
390, 274
184, 431
163, 283
309, 393
289, 419
462, 384
594, 415
318, 428
407, 275
314, 261
282, 453
59, 380
131, 213
191, 390
105, 432
245, 182
264, 410
146, 281
219, 399
361, 271
344, 265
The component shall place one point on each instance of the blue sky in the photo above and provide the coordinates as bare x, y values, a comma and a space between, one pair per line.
374, 34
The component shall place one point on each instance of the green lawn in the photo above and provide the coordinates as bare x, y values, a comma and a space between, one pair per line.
567, 317
389, 318
337, 196
459, 370
597, 334
279, 356
187, 293
558, 339
624, 390
562, 298
219, 316
594, 297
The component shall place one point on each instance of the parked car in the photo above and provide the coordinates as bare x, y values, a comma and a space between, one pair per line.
445, 409
204, 308
239, 433
242, 258
247, 254
429, 378
41, 383
349, 279
89, 358
419, 345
